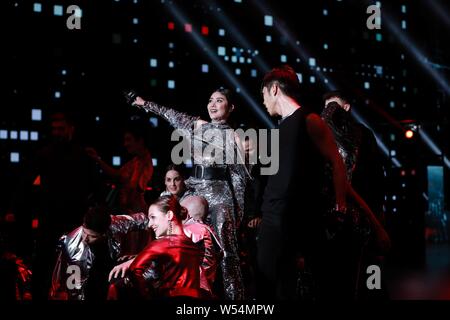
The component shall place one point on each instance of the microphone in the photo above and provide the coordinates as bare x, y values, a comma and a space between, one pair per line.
130, 96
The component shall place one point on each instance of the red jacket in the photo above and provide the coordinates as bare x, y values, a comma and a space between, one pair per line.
168, 267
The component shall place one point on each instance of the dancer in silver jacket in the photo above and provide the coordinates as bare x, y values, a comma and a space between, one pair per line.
76, 258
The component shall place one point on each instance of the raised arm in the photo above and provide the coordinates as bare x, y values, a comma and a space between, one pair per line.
108, 169
178, 120
127, 223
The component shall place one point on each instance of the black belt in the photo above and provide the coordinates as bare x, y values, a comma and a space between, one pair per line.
209, 173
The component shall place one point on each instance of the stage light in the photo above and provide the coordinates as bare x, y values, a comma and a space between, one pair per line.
207, 49
268, 21
23, 135
58, 10
14, 157
221, 51
116, 161
414, 50
188, 27
37, 7
409, 134
410, 128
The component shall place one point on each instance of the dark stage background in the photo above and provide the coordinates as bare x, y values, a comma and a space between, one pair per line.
177, 52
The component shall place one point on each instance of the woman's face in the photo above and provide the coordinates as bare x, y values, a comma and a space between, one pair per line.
158, 221
174, 182
218, 107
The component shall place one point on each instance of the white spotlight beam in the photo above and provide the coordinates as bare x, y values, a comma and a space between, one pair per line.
181, 18
238, 36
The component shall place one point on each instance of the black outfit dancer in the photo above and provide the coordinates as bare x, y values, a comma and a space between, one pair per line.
290, 230
356, 242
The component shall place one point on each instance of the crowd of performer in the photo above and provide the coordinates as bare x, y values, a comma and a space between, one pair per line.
219, 230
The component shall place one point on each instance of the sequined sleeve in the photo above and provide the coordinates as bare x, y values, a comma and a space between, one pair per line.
238, 180
126, 223
178, 120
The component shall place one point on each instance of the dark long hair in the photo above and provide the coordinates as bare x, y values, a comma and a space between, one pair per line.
229, 95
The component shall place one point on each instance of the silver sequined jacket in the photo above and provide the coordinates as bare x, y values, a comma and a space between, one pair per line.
225, 199
75, 257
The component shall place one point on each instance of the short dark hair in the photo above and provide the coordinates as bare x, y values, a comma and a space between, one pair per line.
97, 218
286, 78
336, 94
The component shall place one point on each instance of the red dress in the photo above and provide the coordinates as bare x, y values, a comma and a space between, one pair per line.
168, 267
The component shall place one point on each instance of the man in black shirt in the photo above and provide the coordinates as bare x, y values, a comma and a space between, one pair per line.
290, 231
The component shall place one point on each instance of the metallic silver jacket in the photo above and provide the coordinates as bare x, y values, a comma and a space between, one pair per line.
75, 257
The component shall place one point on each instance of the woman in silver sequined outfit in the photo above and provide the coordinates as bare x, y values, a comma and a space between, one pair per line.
222, 184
